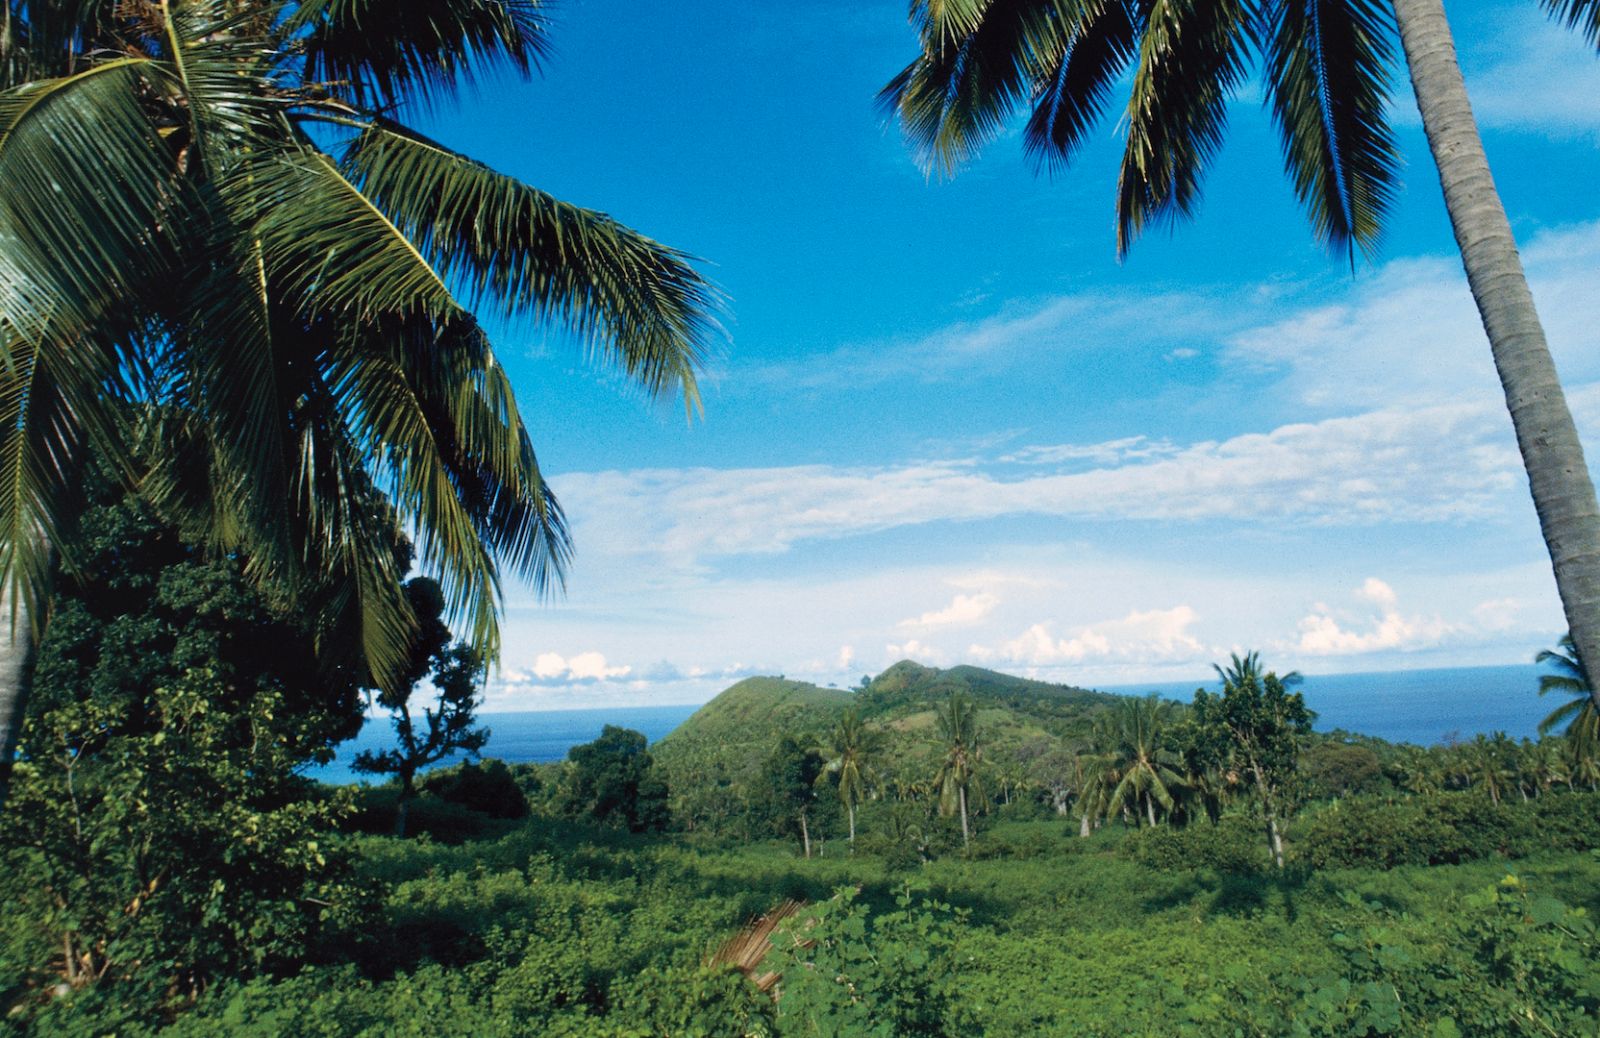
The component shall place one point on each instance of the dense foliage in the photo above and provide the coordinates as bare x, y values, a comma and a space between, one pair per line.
158, 834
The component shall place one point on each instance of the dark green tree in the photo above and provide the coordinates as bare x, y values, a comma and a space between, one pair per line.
159, 835
613, 780
1579, 717
1259, 726
448, 723
784, 796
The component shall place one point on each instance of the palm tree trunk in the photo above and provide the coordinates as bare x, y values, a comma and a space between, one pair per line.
16, 675
1083, 825
1274, 837
1150, 809
1558, 476
805, 835
966, 835
852, 812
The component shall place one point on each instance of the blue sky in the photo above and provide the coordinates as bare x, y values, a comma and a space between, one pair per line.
947, 424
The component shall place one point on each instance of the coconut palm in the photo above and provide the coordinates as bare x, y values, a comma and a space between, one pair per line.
1486, 762
1325, 68
959, 779
1578, 718
217, 236
855, 748
1147, 770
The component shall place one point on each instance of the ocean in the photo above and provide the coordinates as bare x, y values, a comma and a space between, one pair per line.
1419, 706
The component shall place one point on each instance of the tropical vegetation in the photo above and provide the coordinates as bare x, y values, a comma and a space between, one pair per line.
217, 236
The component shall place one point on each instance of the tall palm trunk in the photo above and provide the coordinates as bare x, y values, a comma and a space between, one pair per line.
852, 812
16, 674
966, 835
1563, 493
805, 834
1274, 836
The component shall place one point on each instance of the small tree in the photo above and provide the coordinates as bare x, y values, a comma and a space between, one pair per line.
613, 780
788, 790
1258, 724
159, 837
449, 725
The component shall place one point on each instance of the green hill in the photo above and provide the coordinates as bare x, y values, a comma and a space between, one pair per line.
728, 738
725, 743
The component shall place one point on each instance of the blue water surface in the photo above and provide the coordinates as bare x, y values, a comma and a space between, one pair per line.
531, 737
1417, 706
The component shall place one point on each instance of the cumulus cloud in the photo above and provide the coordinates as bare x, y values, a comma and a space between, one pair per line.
1154, 635
1383, 627
551, 668
912, 649
963, 611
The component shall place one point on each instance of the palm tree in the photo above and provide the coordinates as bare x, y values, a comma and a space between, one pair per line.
1147, 771
854, 750
958, 780
1485, 764
217, 236
1579, 717
1325, 67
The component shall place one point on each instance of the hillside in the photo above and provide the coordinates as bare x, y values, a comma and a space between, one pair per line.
731, 735
727, 742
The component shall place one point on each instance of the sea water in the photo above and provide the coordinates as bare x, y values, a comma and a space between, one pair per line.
529, 737
1418, 706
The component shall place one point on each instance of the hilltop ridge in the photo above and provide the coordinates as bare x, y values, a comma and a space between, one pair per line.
728, 740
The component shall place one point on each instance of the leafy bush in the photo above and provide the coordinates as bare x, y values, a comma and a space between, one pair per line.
1233, 844
1444, 829
848, 972
487, 787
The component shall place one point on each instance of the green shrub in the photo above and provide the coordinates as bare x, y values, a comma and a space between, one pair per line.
1233, 844
1445, 829
487, 787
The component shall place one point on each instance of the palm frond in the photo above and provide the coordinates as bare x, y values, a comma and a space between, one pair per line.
1582, 15
532, 256
1327, 74
1191, 59
979, 62
380, 52
87, 180
1092, 51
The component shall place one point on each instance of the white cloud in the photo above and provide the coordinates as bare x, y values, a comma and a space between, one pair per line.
1408, 333
1111, 452
963, 611
913, 649
552, 668
1411, 464
1153, 636
1023, 330
1384, 628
